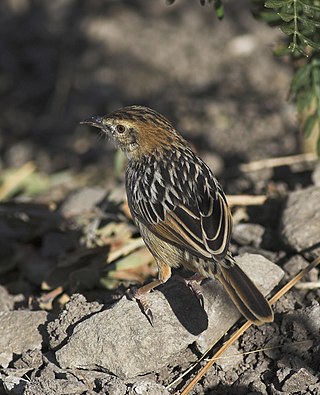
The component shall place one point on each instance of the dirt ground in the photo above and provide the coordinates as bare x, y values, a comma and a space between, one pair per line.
224, 90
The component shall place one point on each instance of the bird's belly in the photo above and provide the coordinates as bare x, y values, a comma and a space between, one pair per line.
174, 256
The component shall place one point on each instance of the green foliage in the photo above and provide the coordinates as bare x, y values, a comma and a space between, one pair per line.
299, 20
305, 89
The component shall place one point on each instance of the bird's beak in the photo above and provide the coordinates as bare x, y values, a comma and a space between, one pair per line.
94, 121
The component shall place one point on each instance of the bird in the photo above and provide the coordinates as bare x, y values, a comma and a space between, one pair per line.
179, 208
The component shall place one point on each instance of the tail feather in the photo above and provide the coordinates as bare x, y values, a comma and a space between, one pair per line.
245, 295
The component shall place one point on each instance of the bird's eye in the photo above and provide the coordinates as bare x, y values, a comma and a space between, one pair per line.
120, 128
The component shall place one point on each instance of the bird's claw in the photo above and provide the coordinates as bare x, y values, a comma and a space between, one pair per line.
141, 298
194, 284
195, 288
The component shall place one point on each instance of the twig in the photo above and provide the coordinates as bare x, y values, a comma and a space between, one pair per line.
246, 326
308, 285
246, 200
276, 162
126, 249
15, 179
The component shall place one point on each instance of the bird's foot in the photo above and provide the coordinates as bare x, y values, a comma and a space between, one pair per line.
142, 300
194, 284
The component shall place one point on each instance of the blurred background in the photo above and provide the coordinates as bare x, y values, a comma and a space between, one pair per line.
64, 60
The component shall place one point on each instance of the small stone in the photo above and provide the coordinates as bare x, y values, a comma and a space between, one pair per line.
316, 175
295, 264
283, 373
82, 201
300, 222
28, 337
148, 387
6, 300
302, 324
31, 359
74, 311
230, 359
14, 385
52, 381
298, 381
113, 385
248, 234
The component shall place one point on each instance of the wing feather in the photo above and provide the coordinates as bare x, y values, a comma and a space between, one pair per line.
190, 214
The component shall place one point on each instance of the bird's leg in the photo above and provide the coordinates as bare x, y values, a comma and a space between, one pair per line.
140, 294
193, 283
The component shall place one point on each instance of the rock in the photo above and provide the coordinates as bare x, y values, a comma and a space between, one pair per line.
82, 201
14, 384
51, 381
111, 385
302, 324
316, 175
300, 222
295, 264
19, 332
298, 381
230, 359
31, 359
248, 234
6, 300
74, 311
147, 387
120, 339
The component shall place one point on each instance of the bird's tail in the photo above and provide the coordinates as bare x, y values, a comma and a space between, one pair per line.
245, 295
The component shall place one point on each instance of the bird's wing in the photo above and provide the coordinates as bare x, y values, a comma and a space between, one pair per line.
200, 224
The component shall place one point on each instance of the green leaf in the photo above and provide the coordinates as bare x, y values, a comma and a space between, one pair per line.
219, 9
308, 41
269, 17
305, 100
306, 4
315, 74
318, 146
308, 25
296, 49
309, 125
282, 50
277, 3
301, 78
287, 29
285, 16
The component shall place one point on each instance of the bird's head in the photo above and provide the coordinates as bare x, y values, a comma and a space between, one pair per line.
138, 131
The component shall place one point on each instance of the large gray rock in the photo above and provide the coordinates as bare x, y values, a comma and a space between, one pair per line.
300, 223
120, 340
20, 331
